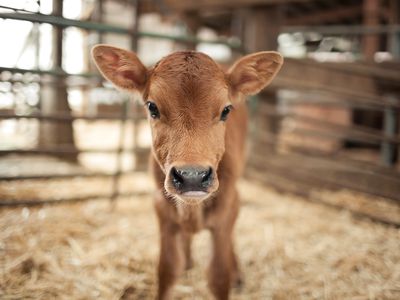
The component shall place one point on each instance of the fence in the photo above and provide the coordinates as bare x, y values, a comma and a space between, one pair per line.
89, 80
302, 143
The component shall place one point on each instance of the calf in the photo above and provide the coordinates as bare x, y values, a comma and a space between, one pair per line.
197, 114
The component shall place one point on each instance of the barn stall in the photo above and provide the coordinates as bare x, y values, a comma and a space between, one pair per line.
320, 212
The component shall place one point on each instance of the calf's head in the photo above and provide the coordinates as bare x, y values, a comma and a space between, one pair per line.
189, 99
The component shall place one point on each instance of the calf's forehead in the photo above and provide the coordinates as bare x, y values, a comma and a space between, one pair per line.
188, 77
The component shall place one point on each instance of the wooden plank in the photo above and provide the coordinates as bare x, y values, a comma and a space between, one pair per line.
348, 130
313, 74
326, 16
362, 82
329, 174
384, 72
282, 184
188, 5
341, 159
371, 17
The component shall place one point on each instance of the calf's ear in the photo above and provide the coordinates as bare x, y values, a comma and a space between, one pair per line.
122, 67
253, 72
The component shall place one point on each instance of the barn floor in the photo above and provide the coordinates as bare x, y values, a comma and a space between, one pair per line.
289, 249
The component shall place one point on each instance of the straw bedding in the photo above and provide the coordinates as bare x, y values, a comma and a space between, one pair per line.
289, 249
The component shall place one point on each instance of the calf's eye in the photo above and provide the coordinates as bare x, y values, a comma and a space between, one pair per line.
153, 110
225, 112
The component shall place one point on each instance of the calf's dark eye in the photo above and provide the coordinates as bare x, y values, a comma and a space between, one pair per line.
153, 110
225, 112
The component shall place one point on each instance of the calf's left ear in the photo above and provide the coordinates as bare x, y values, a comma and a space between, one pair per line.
252, 73
122, 67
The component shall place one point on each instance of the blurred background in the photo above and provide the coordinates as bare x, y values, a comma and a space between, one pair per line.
323, 142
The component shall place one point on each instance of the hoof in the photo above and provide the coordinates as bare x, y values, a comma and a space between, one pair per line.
189, 264
238, 283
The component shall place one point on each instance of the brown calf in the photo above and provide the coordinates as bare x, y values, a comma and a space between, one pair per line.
198, 119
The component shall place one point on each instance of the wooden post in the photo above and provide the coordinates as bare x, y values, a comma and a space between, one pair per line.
54, 99
370, 18
261, 30
262, 25
191, 19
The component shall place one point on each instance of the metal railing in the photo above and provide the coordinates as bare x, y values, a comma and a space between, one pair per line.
378, 178
91, 79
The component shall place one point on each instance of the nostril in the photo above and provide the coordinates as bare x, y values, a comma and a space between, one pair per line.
177, 178
206, 178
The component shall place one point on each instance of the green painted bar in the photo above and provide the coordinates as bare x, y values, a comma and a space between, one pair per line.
63, 22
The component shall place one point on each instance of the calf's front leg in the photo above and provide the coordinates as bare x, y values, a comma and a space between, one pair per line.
224, 270
223, 266
172, 260
172, 257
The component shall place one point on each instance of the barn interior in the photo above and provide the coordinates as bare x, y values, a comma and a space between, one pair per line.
320, 215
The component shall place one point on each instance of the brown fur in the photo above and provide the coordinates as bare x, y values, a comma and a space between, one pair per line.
190, 91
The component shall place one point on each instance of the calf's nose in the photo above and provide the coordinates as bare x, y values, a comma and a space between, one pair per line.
191, 178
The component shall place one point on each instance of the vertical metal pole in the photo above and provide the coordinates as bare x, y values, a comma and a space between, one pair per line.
122, 130
136, 106
136, 15
119, 156
54, 98
100, 10
388, 149
394, 36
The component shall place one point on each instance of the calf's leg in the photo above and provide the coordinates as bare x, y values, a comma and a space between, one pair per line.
224, 270
171, 262
172, 258
222, 267
237, 280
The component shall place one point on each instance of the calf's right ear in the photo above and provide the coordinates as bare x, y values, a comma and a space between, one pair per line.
122, 67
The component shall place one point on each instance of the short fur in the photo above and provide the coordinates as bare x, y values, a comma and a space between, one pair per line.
190, 91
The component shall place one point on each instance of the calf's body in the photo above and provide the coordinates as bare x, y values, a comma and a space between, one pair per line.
198, 121
178, 222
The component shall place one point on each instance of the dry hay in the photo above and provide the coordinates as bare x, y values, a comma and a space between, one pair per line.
289, 249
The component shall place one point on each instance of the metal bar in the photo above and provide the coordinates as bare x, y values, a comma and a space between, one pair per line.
59, 176
389, 150
54, 72
63, 22
16, 9
72, 81
135, 29
99, 19
36, 202
122, 130
68, 118
343, 29
136, 109
66, 151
